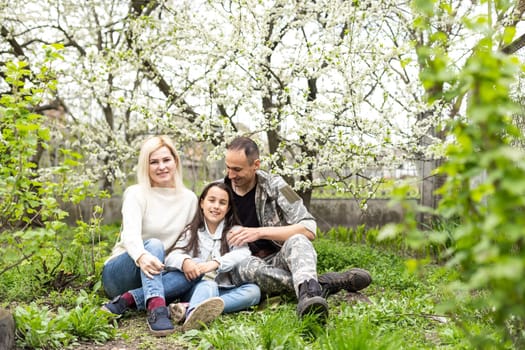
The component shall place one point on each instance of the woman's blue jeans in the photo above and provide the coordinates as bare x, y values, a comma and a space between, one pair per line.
235, 299
121, 275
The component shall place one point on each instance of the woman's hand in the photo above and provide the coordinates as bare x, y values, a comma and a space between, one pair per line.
191, 269
150, 265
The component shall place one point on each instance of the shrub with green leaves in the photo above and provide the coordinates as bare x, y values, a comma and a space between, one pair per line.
485, 175
32, 194
26, 199
38, 327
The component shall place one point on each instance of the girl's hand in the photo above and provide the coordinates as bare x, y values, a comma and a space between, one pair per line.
208, 266
191, 269
150, 265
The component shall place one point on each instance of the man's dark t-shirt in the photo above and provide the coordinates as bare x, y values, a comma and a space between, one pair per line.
246, 208
248, 215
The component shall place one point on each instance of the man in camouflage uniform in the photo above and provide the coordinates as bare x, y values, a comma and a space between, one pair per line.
279, 229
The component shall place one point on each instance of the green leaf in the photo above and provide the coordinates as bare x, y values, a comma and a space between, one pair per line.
426, 7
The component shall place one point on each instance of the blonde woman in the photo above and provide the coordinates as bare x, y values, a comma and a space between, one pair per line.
154, 213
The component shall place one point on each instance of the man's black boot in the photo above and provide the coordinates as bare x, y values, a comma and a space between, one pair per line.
352, 280
311, 300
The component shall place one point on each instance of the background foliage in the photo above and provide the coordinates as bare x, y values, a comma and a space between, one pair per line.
334, 89
483, 193
329, 87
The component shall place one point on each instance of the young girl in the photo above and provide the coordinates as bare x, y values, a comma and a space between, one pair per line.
203, 251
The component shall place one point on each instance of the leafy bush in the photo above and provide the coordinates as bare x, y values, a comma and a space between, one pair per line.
38, 262
90, 323
31, 214
483, 195
27, 198
39, 328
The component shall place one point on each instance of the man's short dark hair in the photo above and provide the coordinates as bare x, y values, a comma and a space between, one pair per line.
246, 144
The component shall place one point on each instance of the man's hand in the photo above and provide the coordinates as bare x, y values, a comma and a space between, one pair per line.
150, 265
243, 235
191, 269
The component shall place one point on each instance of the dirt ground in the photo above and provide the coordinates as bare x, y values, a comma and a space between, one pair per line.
133, 335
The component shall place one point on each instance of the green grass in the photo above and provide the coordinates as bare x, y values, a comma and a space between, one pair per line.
403, 313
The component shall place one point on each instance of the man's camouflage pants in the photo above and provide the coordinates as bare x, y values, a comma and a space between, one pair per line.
282, 272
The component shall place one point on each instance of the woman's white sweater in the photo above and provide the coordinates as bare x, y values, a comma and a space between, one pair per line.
160, 213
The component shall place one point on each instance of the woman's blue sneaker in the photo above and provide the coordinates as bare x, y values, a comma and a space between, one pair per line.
159, 323
117, 306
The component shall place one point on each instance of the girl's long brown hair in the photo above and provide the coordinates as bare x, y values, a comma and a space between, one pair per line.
230, 219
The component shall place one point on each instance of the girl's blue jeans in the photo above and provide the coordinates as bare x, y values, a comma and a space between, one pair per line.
235, 299
121, 274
